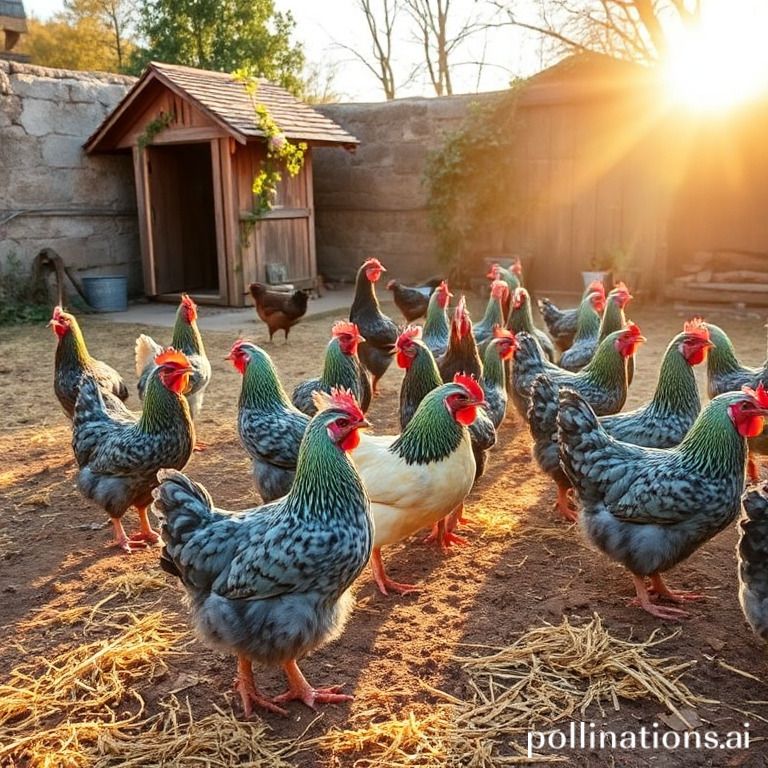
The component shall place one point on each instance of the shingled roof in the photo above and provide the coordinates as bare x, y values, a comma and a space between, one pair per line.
226, 102
12, 16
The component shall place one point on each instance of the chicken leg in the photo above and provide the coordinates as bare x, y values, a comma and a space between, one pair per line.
645, 602
659, 588
564, 505
249, 694
442, 534
300, 690
146, 534
383, 581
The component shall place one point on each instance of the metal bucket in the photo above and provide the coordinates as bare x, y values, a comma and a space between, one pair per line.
108, 293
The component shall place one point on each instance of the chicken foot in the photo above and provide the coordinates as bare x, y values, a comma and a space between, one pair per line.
442, 534
144, 536
645, 601
249, 694
383, 582
300, 690
660, 589
565, 504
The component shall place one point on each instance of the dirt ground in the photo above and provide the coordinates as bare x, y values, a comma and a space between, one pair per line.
523, 566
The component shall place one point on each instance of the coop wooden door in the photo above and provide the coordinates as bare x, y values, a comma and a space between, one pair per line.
182, 219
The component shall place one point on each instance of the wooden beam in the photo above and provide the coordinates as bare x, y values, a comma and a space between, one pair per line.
311, 206
234, 258
145, 219
220, 223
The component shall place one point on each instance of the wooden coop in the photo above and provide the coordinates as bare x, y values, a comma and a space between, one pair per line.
197, 146
13, 24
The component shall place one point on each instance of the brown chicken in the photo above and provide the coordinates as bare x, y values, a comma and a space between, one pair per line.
280, 310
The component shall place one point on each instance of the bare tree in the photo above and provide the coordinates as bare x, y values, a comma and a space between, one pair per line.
381, 26
116, 16
431, 18
625, 29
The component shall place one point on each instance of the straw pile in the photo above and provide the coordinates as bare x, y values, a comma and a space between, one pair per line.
551, 674
135, 583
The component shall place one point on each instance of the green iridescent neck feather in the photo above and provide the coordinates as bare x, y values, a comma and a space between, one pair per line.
339, 370
493, 365
608, 367
186, 336
162, 409
676, 388
722, 357
261, 386
613, 319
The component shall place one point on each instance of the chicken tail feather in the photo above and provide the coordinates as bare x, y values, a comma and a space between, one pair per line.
145, 351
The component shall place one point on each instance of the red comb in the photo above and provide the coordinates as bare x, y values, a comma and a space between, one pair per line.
502, 333
173, 357
345, 401
345, 328
620, 286
372, 262
493, 271
188, 301
596, 285
470, 384
759, 394
632, 331
695, 327
57, 312
411, 332
499, 289
443, 287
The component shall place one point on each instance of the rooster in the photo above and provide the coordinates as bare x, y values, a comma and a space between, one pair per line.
271, 584
494, 313
494, 382
341, 369
380, 333
726, 374
270, 428
280, 310
422, 376
521, 319
561, 323
187, 339
752, 554
603, 383
513, 277
666, 419
650, 508
423, 475
436, 327
119, 454
412, 301
73, 362
462, 355
587, 333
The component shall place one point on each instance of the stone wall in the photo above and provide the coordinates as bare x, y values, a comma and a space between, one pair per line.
372, 202
51, 194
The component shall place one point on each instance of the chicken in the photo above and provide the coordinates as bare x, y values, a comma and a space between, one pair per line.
462, 355
513, 277
271, 584
270, 428
752, 553
436, 327
280, 310
587, 334
421, 377
726, 374
666, 419
119, 454
603, 383
494, 314
561, 323
380, 333
494, 382
521, 319
412, 301
650, 508
187, 339
341, 369
73, 362
528, 361
423, 475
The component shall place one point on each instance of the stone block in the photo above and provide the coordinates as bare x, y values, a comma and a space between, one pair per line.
62, 151
44, 88
40, 117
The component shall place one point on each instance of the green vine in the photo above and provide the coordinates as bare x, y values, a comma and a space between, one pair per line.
470, 180
282, 154
153, 128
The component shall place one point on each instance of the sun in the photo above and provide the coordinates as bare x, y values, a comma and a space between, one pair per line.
722, 61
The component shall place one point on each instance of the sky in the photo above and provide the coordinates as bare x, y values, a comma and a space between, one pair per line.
325, 26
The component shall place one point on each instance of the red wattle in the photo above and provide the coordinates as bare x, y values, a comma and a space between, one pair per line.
466, 415
751, 427
351, 441
697, 356
403, 361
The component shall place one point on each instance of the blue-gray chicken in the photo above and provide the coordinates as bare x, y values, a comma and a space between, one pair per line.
271, 584
119, 453
270, 428
650, 508
752, 553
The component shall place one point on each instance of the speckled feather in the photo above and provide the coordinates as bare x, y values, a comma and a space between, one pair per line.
752, 553
651, 508
272, 583
119, 454
561, 323
436, 327
586, 340
494, 383
339, 370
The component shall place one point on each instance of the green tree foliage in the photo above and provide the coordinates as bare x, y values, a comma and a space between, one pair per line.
224, 35
115, 16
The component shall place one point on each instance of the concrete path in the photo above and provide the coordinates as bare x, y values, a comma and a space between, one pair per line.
336, 302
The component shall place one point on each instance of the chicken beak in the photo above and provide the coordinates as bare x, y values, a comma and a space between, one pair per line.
364, 424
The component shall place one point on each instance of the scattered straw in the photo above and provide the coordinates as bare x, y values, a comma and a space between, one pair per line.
135, 583
174, 739
57, 706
